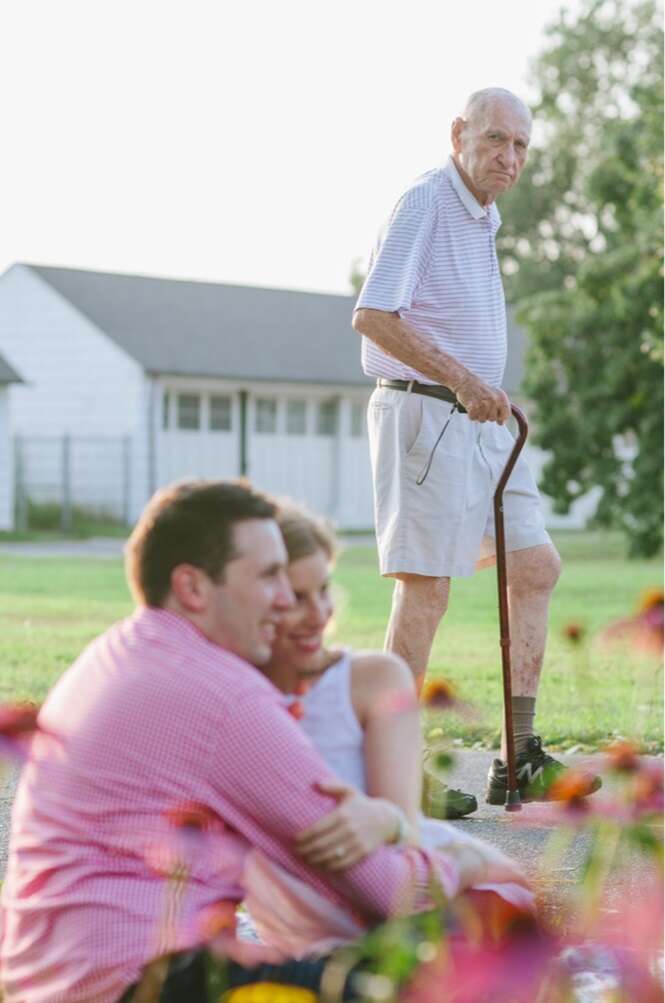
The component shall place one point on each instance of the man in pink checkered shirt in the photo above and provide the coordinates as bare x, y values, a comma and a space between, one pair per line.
160, 713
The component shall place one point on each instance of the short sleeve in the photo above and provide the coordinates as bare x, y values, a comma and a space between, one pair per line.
401, 257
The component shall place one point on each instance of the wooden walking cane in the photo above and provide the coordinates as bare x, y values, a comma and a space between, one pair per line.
513, 801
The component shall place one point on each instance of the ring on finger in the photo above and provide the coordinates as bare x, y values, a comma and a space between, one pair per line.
339, 852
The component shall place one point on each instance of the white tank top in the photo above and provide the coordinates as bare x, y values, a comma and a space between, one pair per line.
288, 913
331, 723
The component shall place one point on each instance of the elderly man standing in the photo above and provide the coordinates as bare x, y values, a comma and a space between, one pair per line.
433, 319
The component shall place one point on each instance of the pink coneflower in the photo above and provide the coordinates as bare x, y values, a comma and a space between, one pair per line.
643, 631
193, 816
510, 969
18, 724
623, 756
647, 790
439, 694
572, 789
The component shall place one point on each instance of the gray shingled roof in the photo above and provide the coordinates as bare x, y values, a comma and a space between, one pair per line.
206, 329
7, 374
209, 329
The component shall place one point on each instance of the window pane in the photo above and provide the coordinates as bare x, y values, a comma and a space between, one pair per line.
220, 414
295, 418
166, 409
266, 415
326, 423
357, 420
189, 411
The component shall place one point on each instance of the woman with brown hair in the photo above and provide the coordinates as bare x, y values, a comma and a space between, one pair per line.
361, 712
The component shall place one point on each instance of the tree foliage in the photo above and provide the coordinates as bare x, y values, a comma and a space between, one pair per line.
581, 248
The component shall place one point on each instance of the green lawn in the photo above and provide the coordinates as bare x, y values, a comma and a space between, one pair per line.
49, 608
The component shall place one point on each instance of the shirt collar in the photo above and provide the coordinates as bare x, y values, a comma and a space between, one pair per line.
468, 200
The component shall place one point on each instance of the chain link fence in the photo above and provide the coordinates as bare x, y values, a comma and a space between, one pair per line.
62, 479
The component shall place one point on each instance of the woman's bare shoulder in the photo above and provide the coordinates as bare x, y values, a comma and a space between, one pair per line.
376, 670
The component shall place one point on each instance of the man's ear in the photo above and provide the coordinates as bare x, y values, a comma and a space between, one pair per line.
456, 134
190, 585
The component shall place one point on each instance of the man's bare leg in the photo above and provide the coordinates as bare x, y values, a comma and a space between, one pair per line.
532, 574
419, 603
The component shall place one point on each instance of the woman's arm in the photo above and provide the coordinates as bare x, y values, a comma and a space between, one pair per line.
384, 699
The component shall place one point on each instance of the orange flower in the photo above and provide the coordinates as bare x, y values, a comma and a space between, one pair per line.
439, 694
650, 599
572, 788
217, 919
296, 710
18, 719
497, 920
644, 630
623, 756
648, 790
574, 632
192, 815
18, 723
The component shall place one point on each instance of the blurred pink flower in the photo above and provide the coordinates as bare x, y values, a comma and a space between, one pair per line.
186, 837
217, 919
643, 631
572, 789
193, 816
647, 789
630, 926
509, 971
18, 724
623, 756
439, 694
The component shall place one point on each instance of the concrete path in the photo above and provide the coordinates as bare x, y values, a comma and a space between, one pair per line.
532, 843
95, 546
109, 546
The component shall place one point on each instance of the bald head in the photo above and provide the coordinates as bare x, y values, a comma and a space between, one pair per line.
490, 142
480, 102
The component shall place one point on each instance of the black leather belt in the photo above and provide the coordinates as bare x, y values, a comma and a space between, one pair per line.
426, 389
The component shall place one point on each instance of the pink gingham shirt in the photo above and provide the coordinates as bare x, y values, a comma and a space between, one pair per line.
153, 715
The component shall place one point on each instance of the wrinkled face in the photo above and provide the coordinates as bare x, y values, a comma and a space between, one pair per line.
492, 148
300, 633
243, 611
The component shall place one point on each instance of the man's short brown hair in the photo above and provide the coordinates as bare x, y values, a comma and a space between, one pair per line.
190, 522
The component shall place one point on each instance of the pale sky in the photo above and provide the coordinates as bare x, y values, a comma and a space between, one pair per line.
260, 142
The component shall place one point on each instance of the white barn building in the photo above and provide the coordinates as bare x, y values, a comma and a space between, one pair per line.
8, 377
133, 382
165, 379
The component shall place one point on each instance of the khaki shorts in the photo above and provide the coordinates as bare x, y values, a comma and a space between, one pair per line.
445, 525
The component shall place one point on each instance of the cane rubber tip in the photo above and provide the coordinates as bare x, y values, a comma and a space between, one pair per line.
513, 801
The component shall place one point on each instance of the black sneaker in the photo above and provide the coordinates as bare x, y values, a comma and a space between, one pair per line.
441, 801
536, 773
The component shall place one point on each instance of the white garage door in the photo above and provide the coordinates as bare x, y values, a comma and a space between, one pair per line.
199, 436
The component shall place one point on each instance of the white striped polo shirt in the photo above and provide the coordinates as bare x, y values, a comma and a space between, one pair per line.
436, 265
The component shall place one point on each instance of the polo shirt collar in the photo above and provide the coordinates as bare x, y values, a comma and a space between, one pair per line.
468, 200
